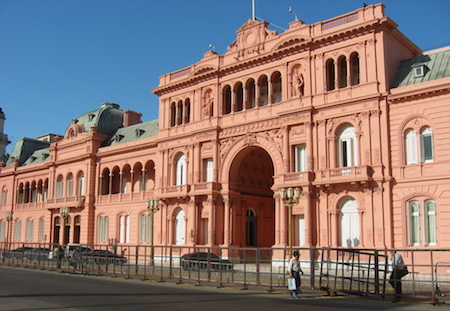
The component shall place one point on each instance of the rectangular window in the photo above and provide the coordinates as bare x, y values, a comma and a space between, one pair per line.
430, 223
427, 148
144, 229
414, 223
17, 230
102, 229
41, 233
206, 231
300, 158
2, 231
3, 198
29, 229
124, 232
299, 230
411, 147
208, 170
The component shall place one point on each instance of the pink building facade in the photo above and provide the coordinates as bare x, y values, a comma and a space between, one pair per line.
347, 113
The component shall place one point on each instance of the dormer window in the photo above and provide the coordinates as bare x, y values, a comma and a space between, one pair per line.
119, 137
418, 70
139, 132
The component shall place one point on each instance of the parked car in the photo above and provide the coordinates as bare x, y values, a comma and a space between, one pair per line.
205, 260
39, 253
103, 256
19, 252
71, 247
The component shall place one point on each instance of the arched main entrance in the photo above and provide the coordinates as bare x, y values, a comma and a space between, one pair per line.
253, 213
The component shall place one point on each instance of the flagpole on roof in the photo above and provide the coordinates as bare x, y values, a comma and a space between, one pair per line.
253, 10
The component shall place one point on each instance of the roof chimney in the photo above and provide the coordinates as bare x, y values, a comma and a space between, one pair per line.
131, 117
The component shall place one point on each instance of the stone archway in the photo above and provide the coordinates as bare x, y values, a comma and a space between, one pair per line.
250, 191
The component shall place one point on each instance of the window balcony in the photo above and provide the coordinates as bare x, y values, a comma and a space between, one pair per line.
204, 188
178, 191
353, 174
297, 178
125, 197
73, 201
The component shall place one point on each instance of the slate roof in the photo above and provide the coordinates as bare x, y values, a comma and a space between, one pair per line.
25, 147
134, 132
38, 156
436, 65
108, 119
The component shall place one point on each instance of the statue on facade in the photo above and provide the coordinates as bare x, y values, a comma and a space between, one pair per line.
297, 83
207, 106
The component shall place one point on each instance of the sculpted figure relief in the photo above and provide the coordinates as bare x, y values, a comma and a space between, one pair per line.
207, 104
297, 82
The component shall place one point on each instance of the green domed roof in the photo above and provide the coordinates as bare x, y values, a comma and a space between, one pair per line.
108, 119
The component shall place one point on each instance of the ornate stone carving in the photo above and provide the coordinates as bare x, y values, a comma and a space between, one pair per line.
208, 104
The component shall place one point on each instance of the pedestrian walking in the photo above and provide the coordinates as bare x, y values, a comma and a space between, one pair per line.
58, 254
399, 270
294, 271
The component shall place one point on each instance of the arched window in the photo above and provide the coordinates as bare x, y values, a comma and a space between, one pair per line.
173, 114
426, 145
330, 74
69, 185
413, 150
226, 100
354, 67
4, 197
180, 178
180, 113
350, 230
276, 87
411, 147
124, 229
34, 191
263, 84
238, 97
422, 224
348, 147
251, 228
59, 187
26, 193
80, 184
250, 89
180, 228
342, 74
187, 111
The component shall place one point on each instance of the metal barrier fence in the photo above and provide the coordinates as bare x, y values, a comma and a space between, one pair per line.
357, 271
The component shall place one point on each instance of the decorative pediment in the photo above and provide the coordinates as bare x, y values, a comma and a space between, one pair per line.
203, 70
292, 41
251, 38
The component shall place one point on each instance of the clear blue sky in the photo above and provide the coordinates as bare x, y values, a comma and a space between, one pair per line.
62, 58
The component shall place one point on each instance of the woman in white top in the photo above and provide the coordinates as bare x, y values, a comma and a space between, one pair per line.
294, 271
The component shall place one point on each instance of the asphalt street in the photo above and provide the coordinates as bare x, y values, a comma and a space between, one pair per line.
30, 289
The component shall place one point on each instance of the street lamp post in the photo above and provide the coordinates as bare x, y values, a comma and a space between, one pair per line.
153, 207
290, 197
8, 216
64, 211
